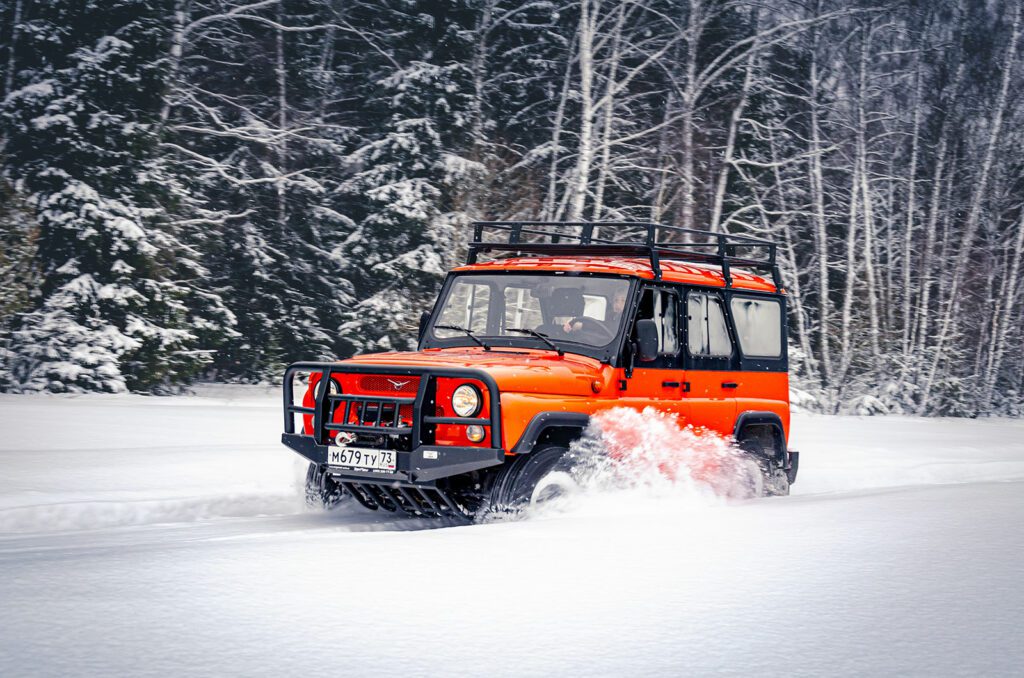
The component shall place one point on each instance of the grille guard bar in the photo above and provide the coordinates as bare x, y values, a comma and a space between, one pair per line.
427, 376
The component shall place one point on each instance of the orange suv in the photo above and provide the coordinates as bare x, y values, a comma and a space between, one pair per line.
562, 322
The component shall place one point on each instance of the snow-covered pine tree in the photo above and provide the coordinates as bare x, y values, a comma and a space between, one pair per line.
81, 151
255, 133
411, 226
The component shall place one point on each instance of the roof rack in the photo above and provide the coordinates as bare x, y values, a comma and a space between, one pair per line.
632, 238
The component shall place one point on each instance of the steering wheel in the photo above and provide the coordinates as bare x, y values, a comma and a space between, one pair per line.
594, 328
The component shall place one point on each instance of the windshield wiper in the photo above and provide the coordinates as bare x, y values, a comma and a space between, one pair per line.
539, 335
468, 334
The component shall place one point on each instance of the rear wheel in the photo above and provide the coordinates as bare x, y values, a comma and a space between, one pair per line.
530, 479
321, 490
774, 483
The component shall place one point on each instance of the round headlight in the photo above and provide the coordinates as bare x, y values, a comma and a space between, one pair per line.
466, 400
333, 388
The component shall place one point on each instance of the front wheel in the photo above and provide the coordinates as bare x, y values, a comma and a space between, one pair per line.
530, 479
321, 490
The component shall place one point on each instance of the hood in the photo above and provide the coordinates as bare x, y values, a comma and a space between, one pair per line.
516, 370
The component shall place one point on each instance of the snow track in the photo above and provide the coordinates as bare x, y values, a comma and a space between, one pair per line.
148, 536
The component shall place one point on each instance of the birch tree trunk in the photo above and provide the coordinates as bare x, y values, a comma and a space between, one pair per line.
548, 212
730, 140
938, 180
867, 207
688, 100
846, 319
176, 52
324, 72
585, 147
282, 122
11, 48
1003, 321
472, 193
974, 212
817, 189
793, 288
663, 164
608, 116
479, 70
911, 209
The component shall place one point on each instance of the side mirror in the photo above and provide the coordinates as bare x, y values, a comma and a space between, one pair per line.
424, 319
646, 340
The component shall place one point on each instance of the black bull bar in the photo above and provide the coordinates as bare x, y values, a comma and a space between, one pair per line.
424, 462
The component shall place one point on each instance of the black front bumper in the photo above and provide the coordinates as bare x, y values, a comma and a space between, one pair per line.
412, 467
422, 461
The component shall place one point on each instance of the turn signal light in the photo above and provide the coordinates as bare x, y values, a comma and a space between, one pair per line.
475, 433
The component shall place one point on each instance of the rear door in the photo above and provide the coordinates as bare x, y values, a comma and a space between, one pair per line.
759, 321
709, 358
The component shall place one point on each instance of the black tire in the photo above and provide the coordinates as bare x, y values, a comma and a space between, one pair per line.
513, 487
322, 491
775, 482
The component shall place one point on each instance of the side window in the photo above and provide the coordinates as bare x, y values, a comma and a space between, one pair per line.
707, 333
758, 326
662, 306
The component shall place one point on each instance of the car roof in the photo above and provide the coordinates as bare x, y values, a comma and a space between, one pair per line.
671, 271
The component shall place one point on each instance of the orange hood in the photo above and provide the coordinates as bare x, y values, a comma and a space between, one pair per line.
516, 370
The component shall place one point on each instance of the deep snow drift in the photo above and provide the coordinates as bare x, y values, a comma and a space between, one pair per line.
166, 535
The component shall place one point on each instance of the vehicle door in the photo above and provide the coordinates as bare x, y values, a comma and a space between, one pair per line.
710, 360
657, 383
759, 321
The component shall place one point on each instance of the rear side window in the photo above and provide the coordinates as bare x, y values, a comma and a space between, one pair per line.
706, 331
758, 326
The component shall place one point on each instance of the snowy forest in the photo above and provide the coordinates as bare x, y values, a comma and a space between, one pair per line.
210, 189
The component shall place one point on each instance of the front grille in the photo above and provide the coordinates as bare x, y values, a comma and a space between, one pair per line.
379, 384
370, 414
365, 414
373, 413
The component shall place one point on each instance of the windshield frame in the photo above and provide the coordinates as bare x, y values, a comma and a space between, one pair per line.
610, 353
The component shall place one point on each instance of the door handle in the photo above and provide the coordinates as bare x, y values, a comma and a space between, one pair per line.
729, 384
677, 384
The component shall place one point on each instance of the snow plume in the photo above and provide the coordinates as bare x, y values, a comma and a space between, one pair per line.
648, 454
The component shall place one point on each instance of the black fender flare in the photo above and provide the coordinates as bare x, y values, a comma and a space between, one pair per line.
543, 422
790, 458
754, 418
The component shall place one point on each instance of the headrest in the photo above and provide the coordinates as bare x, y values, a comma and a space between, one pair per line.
566, 301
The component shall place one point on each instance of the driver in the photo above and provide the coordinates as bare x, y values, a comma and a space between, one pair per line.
612, 319
564, 306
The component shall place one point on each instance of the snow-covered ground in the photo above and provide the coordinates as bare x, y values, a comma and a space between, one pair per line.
145, 536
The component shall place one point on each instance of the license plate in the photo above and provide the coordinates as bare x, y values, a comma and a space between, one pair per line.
362, 458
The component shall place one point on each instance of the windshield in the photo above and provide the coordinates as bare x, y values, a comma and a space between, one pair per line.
581, 309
